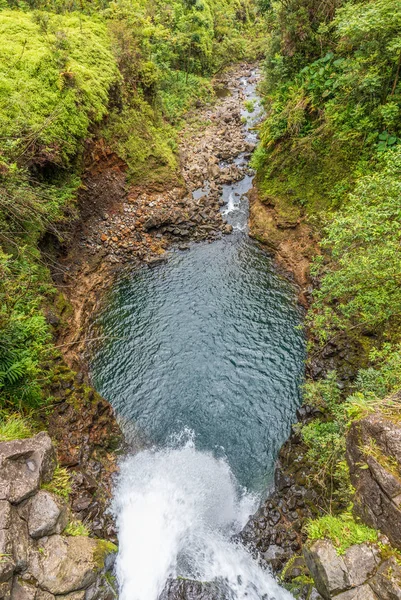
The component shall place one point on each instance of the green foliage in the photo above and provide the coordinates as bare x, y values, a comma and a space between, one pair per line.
343, 531
363, 239
14, 427
24, 334
55, 75
60, 484
333, 96
76, 528
124, 70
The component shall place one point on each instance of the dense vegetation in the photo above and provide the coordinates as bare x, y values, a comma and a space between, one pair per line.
70, 72
126, 72
331, 150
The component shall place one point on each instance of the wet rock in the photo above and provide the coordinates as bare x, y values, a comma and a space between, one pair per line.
47, 515
187, 589
24, 465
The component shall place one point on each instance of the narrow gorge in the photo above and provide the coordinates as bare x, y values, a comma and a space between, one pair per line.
202, 362
200, 300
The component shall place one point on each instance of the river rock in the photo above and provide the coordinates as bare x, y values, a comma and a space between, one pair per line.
64, 564
374, 459
24, 465
47, 515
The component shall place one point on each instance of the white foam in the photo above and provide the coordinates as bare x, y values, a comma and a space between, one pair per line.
176, 511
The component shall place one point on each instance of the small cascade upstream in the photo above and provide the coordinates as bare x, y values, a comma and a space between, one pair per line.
205, 357
177, 510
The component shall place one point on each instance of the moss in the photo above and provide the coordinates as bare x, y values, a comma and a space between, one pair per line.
388, 462
144, 141
62, 69
343, 531
318, 179
102, 550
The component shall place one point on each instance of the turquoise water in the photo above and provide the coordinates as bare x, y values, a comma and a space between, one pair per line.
208, 342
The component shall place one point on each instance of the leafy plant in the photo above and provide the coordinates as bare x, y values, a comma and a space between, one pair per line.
60, 484
343, 531
14, 427
76, 528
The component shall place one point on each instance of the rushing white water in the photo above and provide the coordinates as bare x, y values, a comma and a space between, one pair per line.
176, 511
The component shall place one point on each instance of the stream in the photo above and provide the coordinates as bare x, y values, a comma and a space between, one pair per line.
205, 359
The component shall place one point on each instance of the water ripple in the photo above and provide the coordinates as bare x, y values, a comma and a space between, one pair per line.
209, 341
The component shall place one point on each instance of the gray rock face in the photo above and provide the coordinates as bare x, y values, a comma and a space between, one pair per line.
364, 592
32, 566
386, 584
64, 564
375, 442
24, 465
328, 570
358, 575
47, 515
22, 590
361, 562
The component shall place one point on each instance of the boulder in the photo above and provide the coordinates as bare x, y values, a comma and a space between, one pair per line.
64, 564
361, 561
328, 570
7, 564
374, 459
188, 589
14, 545
46, 515
22, 590
24, 465
386, 584
364, 592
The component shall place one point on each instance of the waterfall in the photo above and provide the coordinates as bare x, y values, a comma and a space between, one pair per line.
177, 510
